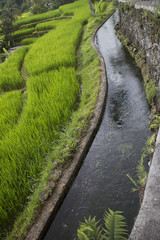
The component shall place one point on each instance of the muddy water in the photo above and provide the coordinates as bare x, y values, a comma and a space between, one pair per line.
102, 182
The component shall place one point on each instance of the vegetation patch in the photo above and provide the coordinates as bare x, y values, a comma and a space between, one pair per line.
10, 108
38, 17
45, 26
28, 41
10, 77
22, 33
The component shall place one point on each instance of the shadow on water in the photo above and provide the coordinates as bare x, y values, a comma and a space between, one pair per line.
101, 182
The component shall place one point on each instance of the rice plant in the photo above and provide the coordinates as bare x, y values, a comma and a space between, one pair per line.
10, 77
25, 32
10, 109
23, 150
38, 17
45, 26
28, 41
44, 55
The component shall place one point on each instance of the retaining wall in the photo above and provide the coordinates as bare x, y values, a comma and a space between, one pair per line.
140, 24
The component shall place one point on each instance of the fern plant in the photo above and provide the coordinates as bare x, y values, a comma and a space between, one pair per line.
115, 225
142, 177
115, 228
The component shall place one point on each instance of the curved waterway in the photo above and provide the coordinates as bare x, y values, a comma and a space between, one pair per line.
101, 182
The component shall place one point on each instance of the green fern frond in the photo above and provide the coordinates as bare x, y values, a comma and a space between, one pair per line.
89, 230
155, 123
115, 225
141, 173
135, 184
81, 235
151, 140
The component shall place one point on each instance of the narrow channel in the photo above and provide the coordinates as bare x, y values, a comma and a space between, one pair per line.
101, 182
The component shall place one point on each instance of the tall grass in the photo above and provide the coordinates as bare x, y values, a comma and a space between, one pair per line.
28, 41
51, 98
45, 26
10, 77
25, 32
10, 109
44, 55
38, 17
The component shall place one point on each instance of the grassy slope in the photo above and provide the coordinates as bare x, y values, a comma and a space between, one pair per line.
88, 72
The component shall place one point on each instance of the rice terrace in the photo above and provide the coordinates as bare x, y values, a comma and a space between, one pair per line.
66, 81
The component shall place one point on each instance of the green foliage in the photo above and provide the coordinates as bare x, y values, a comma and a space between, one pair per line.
155, 123
99, 6
150, 144
10, 109
10, 77
89, 229
103, 6
141, 174
151, 91
45, 26
48, 108
28, 41
22, 33
115, 225
62, 52
7, 18
115, 228
38, 17
6, 52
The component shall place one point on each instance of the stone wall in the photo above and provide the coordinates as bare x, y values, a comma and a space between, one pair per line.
142, 28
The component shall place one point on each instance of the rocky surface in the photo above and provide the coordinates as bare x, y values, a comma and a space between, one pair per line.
142, 28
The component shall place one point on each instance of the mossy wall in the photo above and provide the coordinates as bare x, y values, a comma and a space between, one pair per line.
142, 29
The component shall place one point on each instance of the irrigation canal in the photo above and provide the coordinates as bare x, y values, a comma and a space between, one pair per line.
101, 182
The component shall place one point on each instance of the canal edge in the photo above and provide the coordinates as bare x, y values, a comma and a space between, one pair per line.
50, 209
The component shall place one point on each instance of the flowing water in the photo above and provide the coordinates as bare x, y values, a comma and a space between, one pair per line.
101, 182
